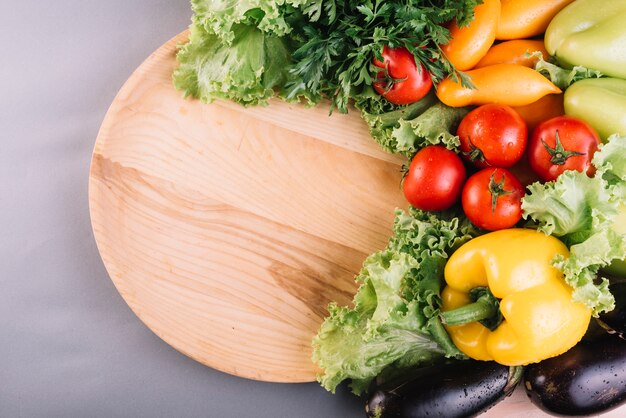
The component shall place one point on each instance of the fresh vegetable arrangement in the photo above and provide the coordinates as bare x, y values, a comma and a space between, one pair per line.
512, 117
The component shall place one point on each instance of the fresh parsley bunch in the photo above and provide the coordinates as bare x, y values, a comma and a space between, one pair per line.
249, 51
336, 51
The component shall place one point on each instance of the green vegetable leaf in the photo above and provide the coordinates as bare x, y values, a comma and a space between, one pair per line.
572, 207
582, 266
611, 164
582, 211
407, 129
246, 71
394, 317
433, 127
221, 17
563, 77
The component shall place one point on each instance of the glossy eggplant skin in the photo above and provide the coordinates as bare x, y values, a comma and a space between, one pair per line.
464, 388
588, 379
615, 321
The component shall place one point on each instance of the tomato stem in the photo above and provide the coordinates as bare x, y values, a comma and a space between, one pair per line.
386, 79
559, 154
496, 189
475, 153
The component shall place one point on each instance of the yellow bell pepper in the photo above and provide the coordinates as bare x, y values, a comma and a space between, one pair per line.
539, 319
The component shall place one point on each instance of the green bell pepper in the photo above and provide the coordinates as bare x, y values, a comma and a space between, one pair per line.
592, 34
599, 101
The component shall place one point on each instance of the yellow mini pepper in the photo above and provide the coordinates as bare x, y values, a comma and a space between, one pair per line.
538, 317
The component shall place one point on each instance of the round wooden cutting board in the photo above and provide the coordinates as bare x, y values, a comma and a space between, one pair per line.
228, 230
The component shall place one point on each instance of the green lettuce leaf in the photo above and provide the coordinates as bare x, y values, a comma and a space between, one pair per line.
407, 129
573, 207
394, 318
583, 264
357, 343
433, 127
563, 77
247, 71
582, 212
221, 17
611, 164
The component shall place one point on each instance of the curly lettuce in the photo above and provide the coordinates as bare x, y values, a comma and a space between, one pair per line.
239, 51
394, 318
583, 212
247, 71
563, 77
221, 17
406, 129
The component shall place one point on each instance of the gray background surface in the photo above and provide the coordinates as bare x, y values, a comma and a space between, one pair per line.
69, 345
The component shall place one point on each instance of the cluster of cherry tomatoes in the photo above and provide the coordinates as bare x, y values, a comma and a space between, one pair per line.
494, 143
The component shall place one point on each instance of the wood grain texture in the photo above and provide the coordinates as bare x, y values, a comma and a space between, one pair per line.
228, 230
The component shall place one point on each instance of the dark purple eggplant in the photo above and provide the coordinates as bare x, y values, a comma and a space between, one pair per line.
615, 321
463, 388
588, 379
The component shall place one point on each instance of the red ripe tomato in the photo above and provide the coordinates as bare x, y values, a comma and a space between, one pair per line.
402, 82
493, 135
435, 179
492, 199
562, 143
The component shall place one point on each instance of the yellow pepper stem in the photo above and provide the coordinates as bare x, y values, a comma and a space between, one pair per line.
485, 308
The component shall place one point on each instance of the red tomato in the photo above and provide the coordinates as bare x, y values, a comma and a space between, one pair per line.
402, 82
492, 199
562, 143
435, 179
493, 135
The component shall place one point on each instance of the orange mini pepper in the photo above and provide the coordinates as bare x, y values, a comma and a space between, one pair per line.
514, 52
470, 43
509, 84
527, 18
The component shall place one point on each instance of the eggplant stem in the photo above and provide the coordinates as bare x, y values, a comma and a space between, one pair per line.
515, 376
